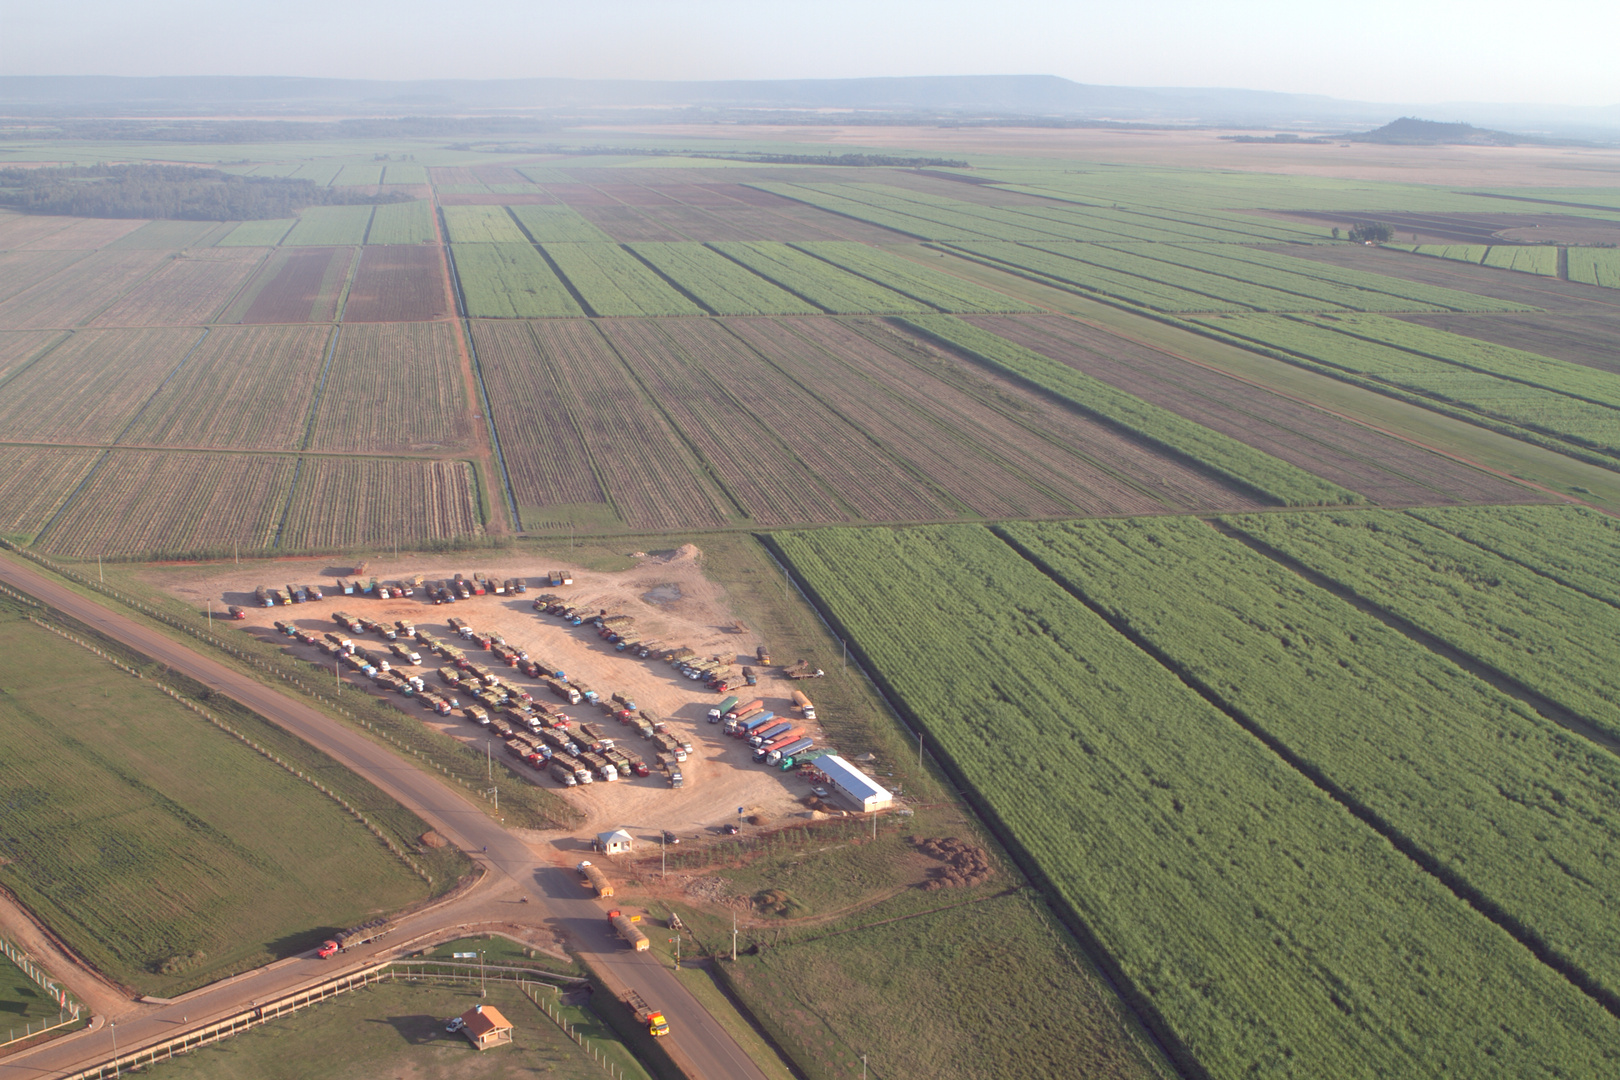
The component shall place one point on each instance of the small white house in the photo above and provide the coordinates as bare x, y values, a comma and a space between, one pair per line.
855, 786
617, 842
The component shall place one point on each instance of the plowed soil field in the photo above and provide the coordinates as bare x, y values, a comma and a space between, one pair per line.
398, 284
296, 285
1592, 340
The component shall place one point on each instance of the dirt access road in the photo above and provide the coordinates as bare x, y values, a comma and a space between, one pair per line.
513, 864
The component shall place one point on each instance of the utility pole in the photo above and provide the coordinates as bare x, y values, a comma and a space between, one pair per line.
919, 752
482, 989
210, 614
734, 936
114, 1025
99, 575
863, 1067
663, 861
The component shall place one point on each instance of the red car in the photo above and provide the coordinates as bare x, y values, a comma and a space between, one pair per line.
327, 950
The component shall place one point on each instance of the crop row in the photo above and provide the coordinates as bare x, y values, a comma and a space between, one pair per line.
1260, 926
1563, 400
1595, 266
1527, 259
1574, 546
188, 289
1454, 770
1556, 641
320, 226
360, 502
1413, 291
143, 502
719, 284
540, 444
78, 291
558, 225
34, 482
940, 291
611, 281
401, 223
242, 388
1072, 274
823, 284
769, 484
509, 281
1271, 477
393, 387
482, 225
266, 233
90, 387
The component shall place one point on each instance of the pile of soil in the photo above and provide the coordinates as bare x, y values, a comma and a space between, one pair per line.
433, 840
965, 864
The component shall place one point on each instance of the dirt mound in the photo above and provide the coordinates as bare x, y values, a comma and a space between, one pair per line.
965, 864
433, 839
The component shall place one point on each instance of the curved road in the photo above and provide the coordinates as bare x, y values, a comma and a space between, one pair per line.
561, 902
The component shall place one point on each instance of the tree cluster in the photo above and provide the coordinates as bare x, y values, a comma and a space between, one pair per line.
1371, 232
179, 192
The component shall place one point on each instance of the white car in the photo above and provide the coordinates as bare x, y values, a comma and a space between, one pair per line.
454, 1024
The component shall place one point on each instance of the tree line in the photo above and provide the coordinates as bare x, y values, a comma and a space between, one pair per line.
180, 192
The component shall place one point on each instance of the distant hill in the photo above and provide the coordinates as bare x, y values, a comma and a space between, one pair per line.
1032, 99
1410, 131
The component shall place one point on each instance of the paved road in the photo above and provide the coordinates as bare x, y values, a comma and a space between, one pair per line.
558, 899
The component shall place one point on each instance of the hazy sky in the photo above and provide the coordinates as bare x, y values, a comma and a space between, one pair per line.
1554, 51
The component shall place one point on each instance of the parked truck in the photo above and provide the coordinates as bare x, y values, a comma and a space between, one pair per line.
754, 723
562, 771
803, 705
720, 710
645, 1014
762, 654
787, 738
787, 753
772, 732
563, 690
592, 878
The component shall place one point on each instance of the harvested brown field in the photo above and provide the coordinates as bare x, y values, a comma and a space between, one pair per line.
21, 270
1486, 227
1543, 292
1591, 340
626, 224
545, 456
635, 194
295, 285
447, 174
79, 292
21, 230
141, 502
90, 387
398, 283
394, 388
87, 233
577, 195
372, 502
874, 485
1384, 469
242, 388
761, 475
34, 482
470, 198
498, 174
652, 479
999, 449
184, 290
20, 346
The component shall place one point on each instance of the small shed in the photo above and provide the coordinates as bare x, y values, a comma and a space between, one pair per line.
617, 842
485, 1027
855, 786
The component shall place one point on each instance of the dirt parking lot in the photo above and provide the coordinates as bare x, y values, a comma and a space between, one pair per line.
670, 599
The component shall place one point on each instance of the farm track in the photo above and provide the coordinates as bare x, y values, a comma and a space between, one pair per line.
464, 823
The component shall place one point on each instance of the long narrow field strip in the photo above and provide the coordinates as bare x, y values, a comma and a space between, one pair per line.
371, 502
766, 480
244, 388
323, 225
405, 174
21, 270
358, 176
482, 225
1574, 546
510, 281
907, 224
1417, 292
941, 291
19, 347
34, 483
88, 233
78, 291
23, 230
1091, 279
720, 284
613, 282
1377, 466
653, 480
1568, 402
183, 291
876, 485
153, 503
828, 287
1035, 445
1595, 266
398, 284
1555, 640
544, 454
90, 387
1270, 477
1453, 770
174, 235
144, 835
294, 285
1525, 259
558, 225
267, 233
394, 388
1263, 928
402, 223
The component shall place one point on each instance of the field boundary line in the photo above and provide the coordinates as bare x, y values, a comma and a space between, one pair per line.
133, 420
46, 350
489, 422
766, 277
320, 387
